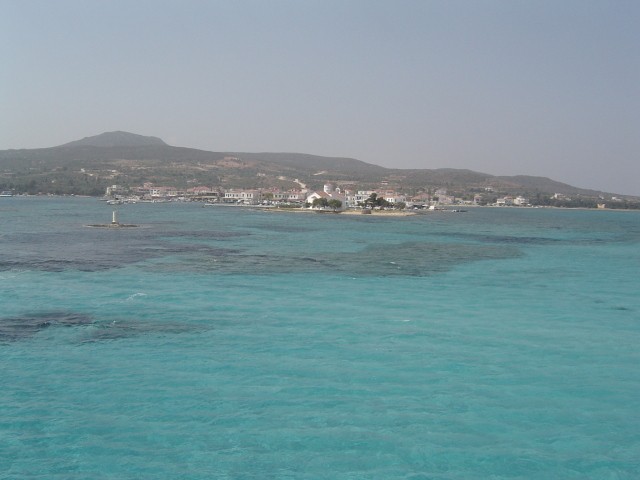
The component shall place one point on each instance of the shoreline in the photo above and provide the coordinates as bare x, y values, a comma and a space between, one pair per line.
329, 212
344, 212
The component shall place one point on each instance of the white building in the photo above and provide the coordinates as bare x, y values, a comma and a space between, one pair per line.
329, 196
292, 197
158, 192
247, 197
504, 201
395, 198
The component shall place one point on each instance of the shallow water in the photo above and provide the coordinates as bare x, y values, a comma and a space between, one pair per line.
228, 343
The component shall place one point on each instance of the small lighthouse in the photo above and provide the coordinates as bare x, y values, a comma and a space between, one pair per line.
114, 223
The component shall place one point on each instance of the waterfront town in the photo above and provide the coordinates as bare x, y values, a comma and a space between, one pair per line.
328, 198
124, 168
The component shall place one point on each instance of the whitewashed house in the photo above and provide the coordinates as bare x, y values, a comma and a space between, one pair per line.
246, 197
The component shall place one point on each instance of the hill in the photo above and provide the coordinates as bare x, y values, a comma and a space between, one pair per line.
89, 165
116, 139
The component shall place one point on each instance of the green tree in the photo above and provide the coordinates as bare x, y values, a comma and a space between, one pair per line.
320, 202
375, 201
372, 201
334, 203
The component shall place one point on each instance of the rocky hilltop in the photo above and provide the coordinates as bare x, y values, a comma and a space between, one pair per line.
116, 139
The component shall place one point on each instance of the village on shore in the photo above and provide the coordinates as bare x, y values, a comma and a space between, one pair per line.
330, 198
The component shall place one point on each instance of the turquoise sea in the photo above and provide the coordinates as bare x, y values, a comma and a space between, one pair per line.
230, 343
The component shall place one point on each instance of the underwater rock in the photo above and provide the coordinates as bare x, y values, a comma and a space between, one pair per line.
16, 328
120, 329
22, 327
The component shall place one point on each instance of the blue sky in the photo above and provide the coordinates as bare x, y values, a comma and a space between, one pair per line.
549, 88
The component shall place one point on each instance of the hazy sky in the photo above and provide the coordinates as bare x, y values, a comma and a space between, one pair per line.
548, 88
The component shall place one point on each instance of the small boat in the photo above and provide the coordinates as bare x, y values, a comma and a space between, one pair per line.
6, 193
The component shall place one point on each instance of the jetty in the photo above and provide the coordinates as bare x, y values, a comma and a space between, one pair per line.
114, 223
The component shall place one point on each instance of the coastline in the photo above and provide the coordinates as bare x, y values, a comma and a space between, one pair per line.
385, 213
381, 213
376, 213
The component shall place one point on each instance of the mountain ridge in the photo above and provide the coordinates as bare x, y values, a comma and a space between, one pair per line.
130, 159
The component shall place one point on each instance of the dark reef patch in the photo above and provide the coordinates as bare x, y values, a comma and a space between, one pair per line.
502, 239
91, 252
422, 259
26, 326
406, 259
272, 227
119, 329
204, 234
17, 328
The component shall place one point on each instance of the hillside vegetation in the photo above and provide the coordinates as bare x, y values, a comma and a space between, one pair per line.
89, 165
